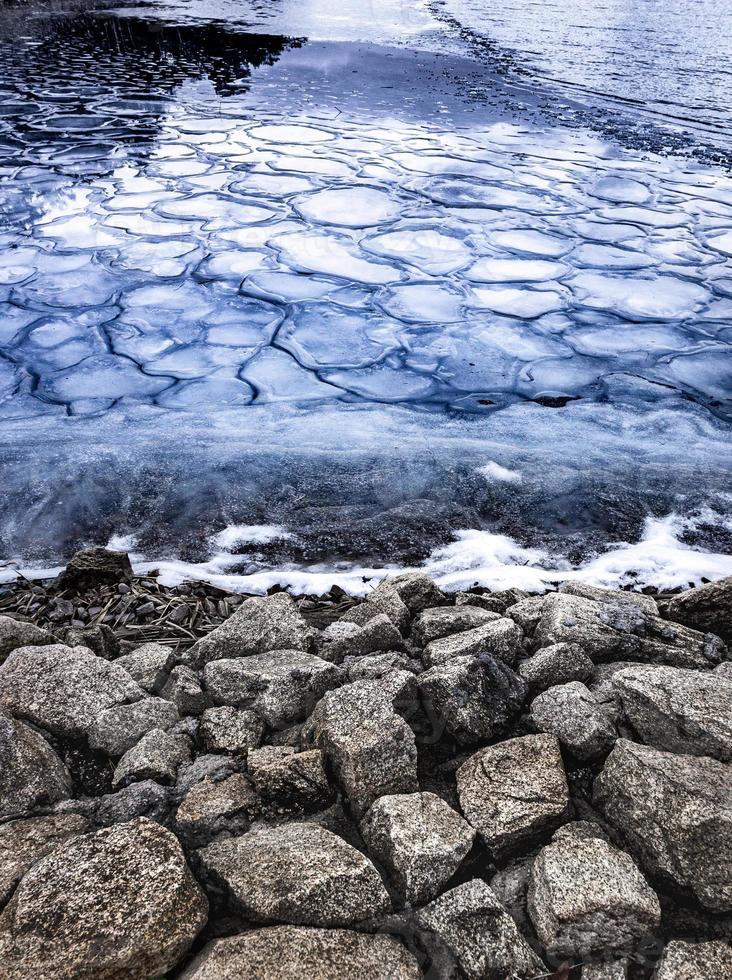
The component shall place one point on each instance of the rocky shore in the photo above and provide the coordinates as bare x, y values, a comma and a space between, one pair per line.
477, 785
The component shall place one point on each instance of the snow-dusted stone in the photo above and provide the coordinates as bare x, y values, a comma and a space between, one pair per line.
434, 624
282, 687
419, 839
63, 689
298, 873
121, 902
416, 590
695, 961
675, 815
502, 639
707, 608
117, 729
233, 731
23, 842
289, 778
156, 756
300, 953
622, 630
348, 639
14, 633
31, 774
257, 626
386, 602
581, 723
185, 692
472, 698
557, 664
370, 748
514, 792
645, 602
210, 808
473, 926
686, 711
586, 897
148, 665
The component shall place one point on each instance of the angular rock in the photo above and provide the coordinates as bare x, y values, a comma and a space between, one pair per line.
210, 808
580, 722
121, 902
622, 630
370, 747
298, 873
514, 792
257, 626
292, 780
416, 590
93, 567
707, 608
148, 665
232, 731
144, 799
675, 815
419, 839
157, 756
436, 623
695, 961
347, 639
100, 639
645, 602
491, 602
605, 970
480, 934
282, 687
502, 639
213, 767
724, 670
387, 602
379, 665
586, 898
185, 692
63, 689
117, 729
472, 698
557, 664
685, 711
23, 842
31, 774
15, 633
298, 953
527, 613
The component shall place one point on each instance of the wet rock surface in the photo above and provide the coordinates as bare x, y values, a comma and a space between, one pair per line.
342, 819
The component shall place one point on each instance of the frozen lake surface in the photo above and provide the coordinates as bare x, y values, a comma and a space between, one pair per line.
357, 280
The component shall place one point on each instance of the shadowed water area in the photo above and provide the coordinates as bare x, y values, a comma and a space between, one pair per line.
290, 291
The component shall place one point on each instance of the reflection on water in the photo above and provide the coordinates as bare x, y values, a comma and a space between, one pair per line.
220, 243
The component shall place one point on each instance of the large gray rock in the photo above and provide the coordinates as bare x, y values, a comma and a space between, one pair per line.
514, 792
210, 808
157, 755
378, 665
31, 774
257, 626
622, 630
502, 639
707, 608
433, 624
148, 665
93, 567
695, 961
144, 799
581, 723
185, 692
23, 842
99, 638
416, 590
370, 748
557, 664
605, 970
386, 602
419, 839
290, 779
14, 633
472, 698
298, 953
527, 613
118, 903
298, 873
686, 711
482, 938
233, 731
645, 602
282, 687
586, 898
117, 729
347, 639
675, 815
63, 689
